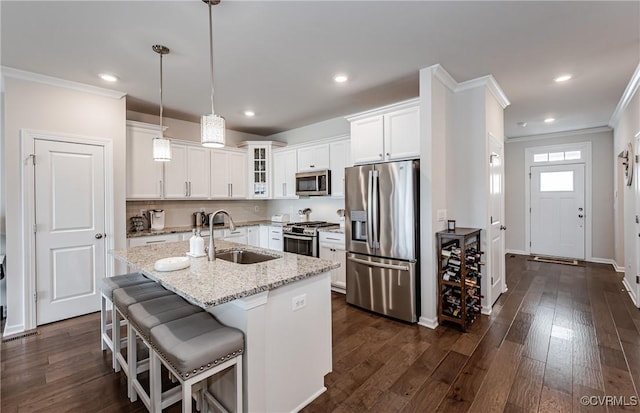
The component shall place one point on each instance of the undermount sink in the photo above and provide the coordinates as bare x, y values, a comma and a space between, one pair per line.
240, 256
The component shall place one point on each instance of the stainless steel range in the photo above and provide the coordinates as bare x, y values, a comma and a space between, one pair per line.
302, 237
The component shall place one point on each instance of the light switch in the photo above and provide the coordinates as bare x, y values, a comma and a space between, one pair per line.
442, 215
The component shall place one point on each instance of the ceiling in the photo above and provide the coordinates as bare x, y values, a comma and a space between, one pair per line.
279, 58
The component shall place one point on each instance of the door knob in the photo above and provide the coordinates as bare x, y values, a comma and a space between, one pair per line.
502, 227
580, 216
580, 209
99, 236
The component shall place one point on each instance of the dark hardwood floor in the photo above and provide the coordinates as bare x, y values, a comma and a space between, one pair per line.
559, 333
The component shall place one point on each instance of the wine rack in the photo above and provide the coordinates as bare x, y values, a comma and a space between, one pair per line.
459, 276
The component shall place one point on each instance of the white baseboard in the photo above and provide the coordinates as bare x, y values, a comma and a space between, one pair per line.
631, 293
11, 330
431, 323
613, 263
310, 399
486, 311
517, 252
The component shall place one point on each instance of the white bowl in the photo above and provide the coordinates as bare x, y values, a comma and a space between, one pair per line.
172, 264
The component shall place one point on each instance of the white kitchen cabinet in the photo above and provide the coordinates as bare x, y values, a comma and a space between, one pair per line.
144, 175
386, 134
276, 241
253, 236
238, 235
313, 158
340, 158
153, 239
228, 174
264, 236
260, 169
187, 174
284, 174
332, 248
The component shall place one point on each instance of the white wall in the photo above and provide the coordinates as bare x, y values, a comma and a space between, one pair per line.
602, 246
43, 107
626, 126
189, 131
325, 129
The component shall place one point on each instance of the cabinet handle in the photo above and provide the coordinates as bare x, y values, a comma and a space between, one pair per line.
229, 190
186, 189
155, 242
189, 188
312, 166
161, 190
276, 239
231, 187
284, 189
335, 239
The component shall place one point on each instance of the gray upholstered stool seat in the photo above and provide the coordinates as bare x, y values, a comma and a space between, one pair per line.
143, 316
195, 348
107, 285
122, 299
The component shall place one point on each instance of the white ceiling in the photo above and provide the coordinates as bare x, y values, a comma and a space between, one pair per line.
278, 58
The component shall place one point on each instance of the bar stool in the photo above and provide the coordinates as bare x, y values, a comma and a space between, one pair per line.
193, 348
107, 285
143, 316
122, 299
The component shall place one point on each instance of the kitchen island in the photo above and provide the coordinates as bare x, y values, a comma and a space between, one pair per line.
283, 306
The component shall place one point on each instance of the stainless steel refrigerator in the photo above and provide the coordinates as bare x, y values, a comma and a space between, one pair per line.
381, 228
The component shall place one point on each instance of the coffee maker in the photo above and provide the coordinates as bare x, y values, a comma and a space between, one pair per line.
156, 217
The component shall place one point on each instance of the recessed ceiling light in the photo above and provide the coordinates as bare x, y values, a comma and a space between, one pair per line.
249, 113
340, 78
563, 78
107, 77
549, 120
522, 124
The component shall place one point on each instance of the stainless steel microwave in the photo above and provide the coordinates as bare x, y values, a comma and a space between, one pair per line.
313, 183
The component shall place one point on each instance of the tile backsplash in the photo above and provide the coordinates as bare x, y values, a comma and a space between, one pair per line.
180, 212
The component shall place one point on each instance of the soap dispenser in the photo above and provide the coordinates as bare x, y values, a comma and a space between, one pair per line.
192, 244
199, 244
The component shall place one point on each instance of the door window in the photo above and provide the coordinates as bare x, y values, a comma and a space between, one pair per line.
561, 181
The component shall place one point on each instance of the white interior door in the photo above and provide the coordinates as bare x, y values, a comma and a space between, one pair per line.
70, 226
496, 229
558, 210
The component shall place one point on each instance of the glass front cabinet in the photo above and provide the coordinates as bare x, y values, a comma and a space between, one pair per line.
260, 167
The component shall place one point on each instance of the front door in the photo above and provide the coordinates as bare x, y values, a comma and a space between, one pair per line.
558, 211
496, 229
70, 226
636, 184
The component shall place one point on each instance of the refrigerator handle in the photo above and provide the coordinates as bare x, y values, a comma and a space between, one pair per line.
380, 265
370, 237
375, 207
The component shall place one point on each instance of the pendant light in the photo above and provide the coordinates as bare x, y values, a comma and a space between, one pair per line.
161, 145
212, 129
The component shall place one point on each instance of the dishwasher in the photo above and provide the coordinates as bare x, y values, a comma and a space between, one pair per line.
238, 235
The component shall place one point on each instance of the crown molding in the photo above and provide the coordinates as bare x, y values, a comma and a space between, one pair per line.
54, 81
144, 125
628, 94
574, 132
442, 75
490, 83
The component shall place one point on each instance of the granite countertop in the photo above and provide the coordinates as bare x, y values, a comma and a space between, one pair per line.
208, 284
335, 230
183, 229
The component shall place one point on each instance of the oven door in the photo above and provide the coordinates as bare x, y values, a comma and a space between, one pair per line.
300, 244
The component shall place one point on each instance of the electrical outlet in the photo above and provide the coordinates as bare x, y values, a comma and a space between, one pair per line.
256, 208
201, 209
143, 212
298, 302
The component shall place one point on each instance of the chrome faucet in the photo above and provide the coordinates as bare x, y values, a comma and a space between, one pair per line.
212, 251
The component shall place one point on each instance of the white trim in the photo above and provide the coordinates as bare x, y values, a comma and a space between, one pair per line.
310, 399
27, 139
629, 92
383, 109
613, 263
146, 126
630, 291
586, 159
490, 83
554, 135
517, 252
431, 323
307, 144
489, 310
443, 76
54, 81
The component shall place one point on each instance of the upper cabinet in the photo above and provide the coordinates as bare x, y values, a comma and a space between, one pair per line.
228, 174
284, 173
144, 175
339, 158
313, 158
187, 174
259, 167
386, 134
